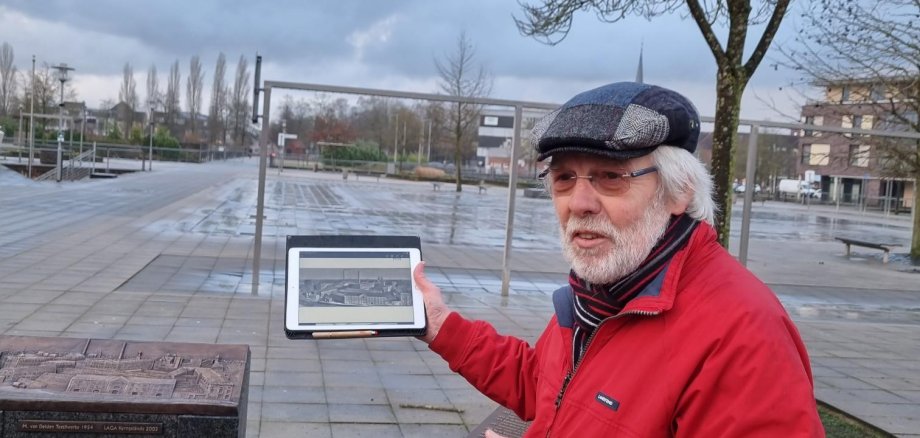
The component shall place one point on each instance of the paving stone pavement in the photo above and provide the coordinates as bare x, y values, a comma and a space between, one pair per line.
166, 255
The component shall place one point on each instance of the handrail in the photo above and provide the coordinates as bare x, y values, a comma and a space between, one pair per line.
47, 176
83, 156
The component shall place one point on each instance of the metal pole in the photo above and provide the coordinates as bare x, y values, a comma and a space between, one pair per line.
60, 138
748, 194
82, 129
887, 197
429, 141
19, 131
396, 139
281, 141
152, 131
260, 205
32, 117
914, 207
838, 191
93, 163
62, 77
512, 191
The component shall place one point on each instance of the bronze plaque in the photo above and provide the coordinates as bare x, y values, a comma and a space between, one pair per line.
47, 426
105, 375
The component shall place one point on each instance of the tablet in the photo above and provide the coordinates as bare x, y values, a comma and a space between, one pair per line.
343, 287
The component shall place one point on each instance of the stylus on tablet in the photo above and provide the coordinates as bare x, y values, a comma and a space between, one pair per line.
345, 334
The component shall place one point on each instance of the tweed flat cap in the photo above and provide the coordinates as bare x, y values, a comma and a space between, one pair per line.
621, 120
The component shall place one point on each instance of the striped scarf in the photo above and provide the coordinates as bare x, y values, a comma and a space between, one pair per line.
594, 303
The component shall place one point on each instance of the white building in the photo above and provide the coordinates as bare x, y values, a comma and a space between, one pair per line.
496, 133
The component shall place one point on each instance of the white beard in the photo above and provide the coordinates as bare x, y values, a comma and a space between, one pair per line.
630, 245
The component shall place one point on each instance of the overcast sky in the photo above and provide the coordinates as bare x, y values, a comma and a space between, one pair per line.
374, 44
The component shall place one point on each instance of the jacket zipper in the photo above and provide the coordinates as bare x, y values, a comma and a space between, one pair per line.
571, 374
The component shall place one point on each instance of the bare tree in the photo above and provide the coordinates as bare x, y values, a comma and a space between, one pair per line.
331, 121
554, 17
193, 88
298, 114
7, 79
153, 89
874, 48
373, 122
436, 118
218, 101
171, 103
461, 76
239, 101
128, 95
107, 124
45, 86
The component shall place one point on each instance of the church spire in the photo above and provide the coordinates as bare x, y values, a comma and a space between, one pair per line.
639, 69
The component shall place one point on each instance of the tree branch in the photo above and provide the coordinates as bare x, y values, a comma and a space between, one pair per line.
779, 12
696, 11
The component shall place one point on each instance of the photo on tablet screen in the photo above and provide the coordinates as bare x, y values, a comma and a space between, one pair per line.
340, 287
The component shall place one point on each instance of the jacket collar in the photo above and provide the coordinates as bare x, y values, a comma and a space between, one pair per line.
657, 297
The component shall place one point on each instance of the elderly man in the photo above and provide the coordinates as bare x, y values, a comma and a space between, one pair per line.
660, 331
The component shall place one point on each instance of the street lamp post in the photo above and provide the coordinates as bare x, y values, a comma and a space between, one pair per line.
31, 117
281, 143
19, 132
396, 139
152, 131
62, 77
83, 130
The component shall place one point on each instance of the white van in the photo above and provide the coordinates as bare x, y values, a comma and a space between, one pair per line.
798, 188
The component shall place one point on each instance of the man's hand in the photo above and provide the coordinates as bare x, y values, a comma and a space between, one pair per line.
491, 434
435, 308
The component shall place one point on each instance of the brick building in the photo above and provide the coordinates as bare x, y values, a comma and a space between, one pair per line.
851, 168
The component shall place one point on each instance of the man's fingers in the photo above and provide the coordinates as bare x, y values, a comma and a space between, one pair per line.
424, 284
435, 309
490, 434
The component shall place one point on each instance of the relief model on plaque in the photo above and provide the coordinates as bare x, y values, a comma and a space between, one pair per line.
60, 385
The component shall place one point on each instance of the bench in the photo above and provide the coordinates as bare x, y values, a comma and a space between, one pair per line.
882, 246
367, 173
436, 186
482, 187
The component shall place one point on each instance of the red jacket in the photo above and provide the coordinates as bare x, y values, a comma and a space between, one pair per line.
705, 351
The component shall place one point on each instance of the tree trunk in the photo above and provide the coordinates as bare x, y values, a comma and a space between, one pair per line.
457, 158
915, 234
458, 146
729, 88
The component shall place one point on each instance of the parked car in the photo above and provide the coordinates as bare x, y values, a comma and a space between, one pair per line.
740, 188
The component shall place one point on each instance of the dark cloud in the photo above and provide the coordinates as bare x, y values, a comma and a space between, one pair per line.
365, 41
282, 28
299, 32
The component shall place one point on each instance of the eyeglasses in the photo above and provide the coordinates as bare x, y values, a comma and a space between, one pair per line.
606, 182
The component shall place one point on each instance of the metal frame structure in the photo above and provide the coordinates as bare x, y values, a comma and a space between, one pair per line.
751, 165
267, 88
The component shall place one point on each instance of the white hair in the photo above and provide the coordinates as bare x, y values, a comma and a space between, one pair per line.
680, 173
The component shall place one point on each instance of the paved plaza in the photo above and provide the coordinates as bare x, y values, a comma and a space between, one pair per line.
167, 255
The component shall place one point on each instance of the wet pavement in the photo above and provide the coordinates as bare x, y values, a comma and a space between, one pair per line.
167, 256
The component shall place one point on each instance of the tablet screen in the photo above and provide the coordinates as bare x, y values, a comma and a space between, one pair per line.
352, 289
